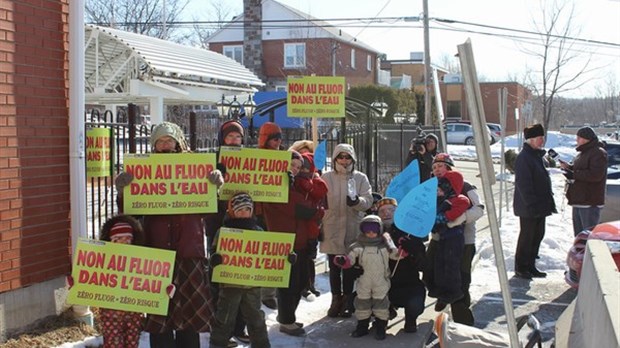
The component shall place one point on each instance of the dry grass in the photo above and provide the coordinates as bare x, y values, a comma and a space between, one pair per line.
52, 331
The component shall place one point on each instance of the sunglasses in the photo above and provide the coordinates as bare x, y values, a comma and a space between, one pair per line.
344, 157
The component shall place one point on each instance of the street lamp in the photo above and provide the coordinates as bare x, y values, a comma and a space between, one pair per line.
232, 109
378, 108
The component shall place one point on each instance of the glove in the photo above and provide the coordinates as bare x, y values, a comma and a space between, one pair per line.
342, 261
292, 258
216, 259
458, 221
406, 244
123, 179
304, 212
221, 167
291, 178
170, 290
69, 281
569, 174
216, 178
353, 202
444, 206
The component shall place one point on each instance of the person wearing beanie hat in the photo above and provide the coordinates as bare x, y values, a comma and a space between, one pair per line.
532, 201
349, 196
372, 251
191, 308
461, 311
231, 133
269, 136
444, 158
309, 183
587, 178
442, 275
121, 328
235, 299
423, 150
406, 289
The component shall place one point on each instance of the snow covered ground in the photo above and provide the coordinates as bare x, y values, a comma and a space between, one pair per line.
553, 250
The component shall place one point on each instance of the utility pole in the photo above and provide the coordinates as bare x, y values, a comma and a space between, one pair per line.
427, 68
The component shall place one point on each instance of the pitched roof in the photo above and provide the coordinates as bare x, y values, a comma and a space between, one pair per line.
323, 28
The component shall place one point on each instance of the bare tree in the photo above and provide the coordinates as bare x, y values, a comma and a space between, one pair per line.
219, 11
450, 63
561, 63
138, 16
609, 92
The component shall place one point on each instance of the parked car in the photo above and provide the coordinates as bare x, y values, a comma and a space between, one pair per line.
462, 133
496, 132
613, 159
609, 232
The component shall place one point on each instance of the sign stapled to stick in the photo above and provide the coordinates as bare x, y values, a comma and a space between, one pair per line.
315, 96
259, 172
120, 276
170, 184
254, 258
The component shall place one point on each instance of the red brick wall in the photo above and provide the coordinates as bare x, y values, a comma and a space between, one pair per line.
34, 142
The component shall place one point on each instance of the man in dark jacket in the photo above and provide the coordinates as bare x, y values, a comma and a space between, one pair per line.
533, 201
587, 176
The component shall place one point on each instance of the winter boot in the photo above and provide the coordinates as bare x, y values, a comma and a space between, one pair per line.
347, 309
335, 307
361, 329
379, 326
410, 326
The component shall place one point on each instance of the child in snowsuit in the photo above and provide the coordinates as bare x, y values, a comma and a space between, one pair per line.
235, 298
442, 275
120, 328
407, 289
372, 251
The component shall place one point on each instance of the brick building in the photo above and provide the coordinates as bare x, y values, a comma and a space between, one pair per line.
34, 162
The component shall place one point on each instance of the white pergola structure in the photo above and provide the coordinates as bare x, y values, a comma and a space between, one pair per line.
123, 67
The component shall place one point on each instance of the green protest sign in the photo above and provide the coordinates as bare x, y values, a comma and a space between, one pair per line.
165, 184
254, 258
98, 152
315, 96
121, 276
259, 172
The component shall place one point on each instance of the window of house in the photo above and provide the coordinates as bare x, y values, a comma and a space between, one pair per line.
294, 55
369, 63
234, 52
353, 58
454, 109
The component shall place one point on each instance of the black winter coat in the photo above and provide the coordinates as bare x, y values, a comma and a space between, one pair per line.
533, 197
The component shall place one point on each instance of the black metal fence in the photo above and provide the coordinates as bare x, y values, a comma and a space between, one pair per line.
381, 153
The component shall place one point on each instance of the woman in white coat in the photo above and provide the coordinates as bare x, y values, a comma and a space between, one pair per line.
348, 198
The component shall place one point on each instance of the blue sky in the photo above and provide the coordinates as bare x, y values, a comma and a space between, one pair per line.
496, 58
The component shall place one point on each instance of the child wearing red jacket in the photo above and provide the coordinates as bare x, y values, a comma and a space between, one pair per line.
309, 182
445, 251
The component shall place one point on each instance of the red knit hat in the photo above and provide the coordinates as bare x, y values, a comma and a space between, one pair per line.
268, 131
120, 230
227, 127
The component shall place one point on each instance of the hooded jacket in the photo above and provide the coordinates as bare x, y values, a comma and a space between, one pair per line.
267, 131
341, 222
589, 174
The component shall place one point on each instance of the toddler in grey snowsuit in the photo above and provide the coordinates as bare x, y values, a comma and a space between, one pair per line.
372, 252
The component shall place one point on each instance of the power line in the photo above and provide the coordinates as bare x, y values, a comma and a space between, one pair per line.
364, 23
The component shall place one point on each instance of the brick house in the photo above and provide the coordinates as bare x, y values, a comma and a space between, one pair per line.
303, 46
